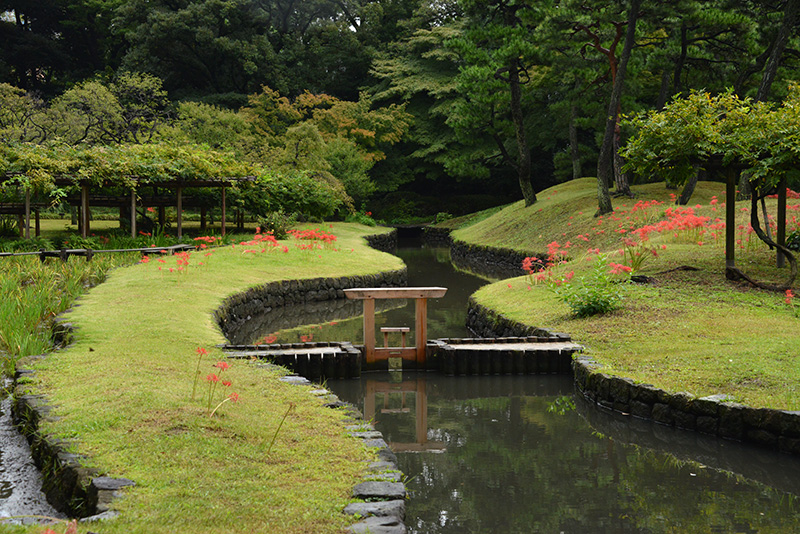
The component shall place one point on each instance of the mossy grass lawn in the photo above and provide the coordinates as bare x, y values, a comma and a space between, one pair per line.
123, 393
687, 330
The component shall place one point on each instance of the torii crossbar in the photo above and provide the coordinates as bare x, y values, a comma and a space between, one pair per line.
421, 295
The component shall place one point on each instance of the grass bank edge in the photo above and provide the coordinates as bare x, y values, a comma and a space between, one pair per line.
122, 391
691, 331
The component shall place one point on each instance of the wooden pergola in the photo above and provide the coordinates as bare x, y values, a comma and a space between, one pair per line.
731, 173
86, 199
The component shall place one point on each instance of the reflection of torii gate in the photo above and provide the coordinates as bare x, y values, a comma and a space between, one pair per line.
415, 354
421, 402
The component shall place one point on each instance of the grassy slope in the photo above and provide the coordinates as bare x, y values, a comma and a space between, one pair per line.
123, 392
689, 331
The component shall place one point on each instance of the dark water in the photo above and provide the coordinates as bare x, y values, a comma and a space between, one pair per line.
516, 454
522, 454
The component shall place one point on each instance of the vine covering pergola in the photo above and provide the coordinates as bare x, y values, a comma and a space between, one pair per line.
51, 170
725, 135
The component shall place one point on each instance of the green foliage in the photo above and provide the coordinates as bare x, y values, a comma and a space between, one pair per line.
442, 217
722, 130
350, 166
301, 192
38, 165
593, 294
199, 123
361, 217
793, 240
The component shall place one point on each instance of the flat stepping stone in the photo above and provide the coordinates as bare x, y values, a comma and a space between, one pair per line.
380, 490
378, 509
379, 525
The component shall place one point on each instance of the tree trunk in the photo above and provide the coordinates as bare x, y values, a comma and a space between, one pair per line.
605, 163
774, 61
623, 188
524, 157
688, 189
574, 147
664, 92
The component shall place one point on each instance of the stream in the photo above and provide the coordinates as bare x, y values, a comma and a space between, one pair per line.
524, 454
20, 481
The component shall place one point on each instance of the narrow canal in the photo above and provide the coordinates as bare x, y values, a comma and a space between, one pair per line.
523, 454
21, 497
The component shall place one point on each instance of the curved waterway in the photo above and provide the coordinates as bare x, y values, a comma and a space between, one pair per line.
523, 454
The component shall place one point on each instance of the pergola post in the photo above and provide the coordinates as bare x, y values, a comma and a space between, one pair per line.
84, 210
180, 212
730, 219
780, 258
27, 214
133, 213
224, 209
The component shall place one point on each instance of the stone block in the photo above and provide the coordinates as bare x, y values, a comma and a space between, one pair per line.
709, 406
707, 424
681, 401
645, 393
790, 424
731, 420
396, 508
762, 437
379, 490
619, 389
683, 419
378, 525
641, 409
662, 413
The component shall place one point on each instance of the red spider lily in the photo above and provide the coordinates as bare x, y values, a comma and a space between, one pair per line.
789, 296
226, 383
212, 378
270, 339
222, 366
618, 268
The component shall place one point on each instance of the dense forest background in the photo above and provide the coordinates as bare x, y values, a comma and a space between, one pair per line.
405, 108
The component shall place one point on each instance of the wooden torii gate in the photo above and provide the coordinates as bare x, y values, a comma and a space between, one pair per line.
415, 354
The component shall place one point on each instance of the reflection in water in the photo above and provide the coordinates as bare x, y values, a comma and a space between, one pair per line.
342, 321
516, 456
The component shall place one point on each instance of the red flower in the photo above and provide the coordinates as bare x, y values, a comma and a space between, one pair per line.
212, 378
789, 296
226, 383
234, 397
222, 365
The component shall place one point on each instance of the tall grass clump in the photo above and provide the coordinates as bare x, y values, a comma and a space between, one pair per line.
32, 293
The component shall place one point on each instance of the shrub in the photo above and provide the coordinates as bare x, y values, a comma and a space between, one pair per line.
593, 294
313, 195
276, 223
